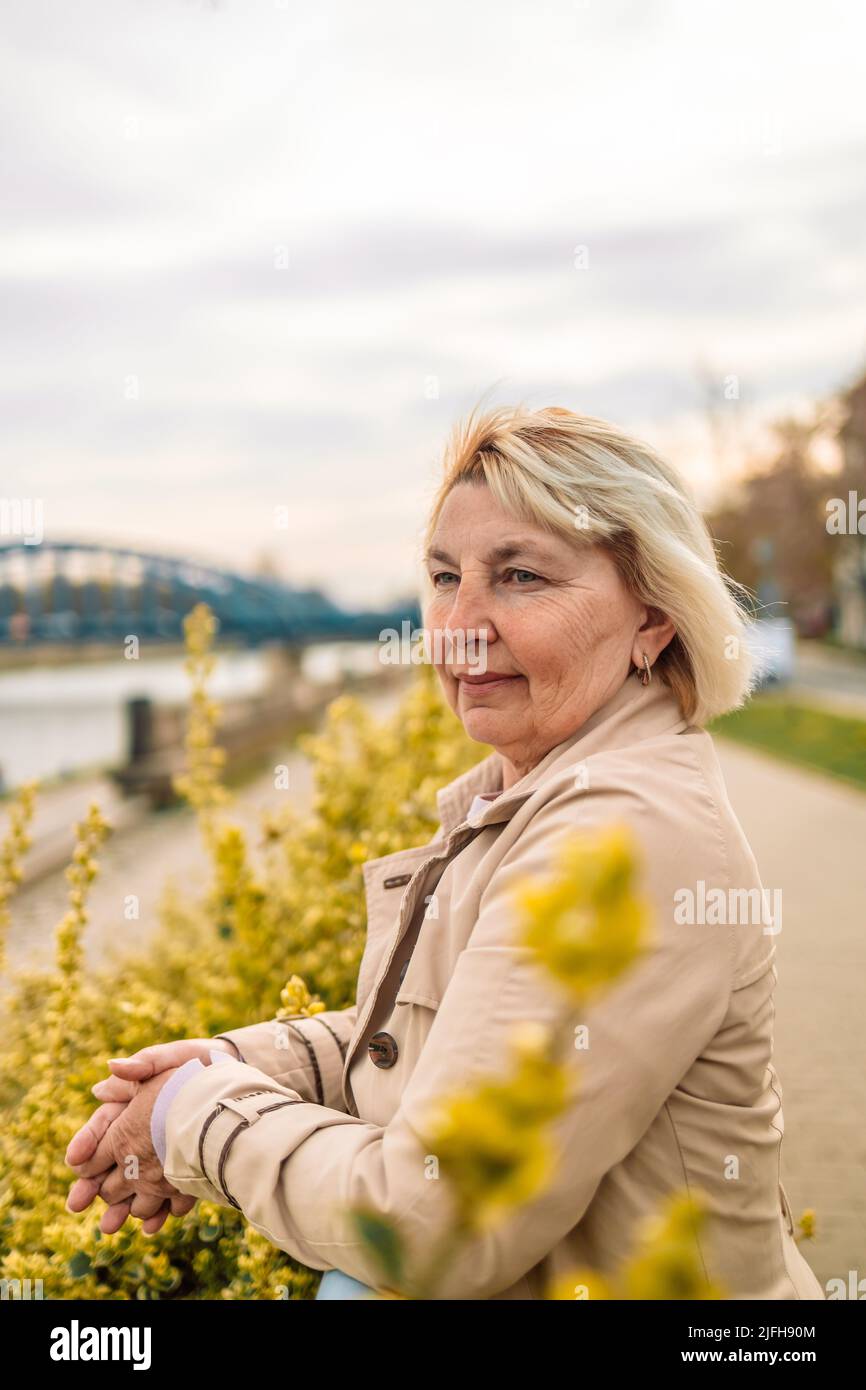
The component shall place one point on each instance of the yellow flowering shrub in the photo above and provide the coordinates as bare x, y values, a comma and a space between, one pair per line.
284, 933
665, 1264
278, 934
13, 847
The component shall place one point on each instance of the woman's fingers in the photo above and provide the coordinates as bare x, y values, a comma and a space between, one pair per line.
116, 1188
178, 1205
151, 1060
83, 1191
161, 1208
121, 1201
127, 1073
151, 1224
113, 1217
115, 1088
146, 1206
83, 1145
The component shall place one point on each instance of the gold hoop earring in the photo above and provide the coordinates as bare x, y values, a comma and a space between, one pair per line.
646, 674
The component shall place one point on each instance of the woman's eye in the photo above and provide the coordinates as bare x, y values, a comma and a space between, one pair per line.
529, 575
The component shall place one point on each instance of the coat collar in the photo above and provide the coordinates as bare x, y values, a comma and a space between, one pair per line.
633, 713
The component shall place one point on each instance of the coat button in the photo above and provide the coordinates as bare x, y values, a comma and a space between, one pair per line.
382, 1049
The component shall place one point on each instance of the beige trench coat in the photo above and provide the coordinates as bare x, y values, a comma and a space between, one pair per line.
677, 1088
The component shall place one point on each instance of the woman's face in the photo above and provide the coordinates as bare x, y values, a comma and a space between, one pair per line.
556, 618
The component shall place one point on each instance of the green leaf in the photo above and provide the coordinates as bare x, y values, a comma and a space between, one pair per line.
382, 1240
80, 1264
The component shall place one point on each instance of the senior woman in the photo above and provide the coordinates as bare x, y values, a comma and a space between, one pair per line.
577, 558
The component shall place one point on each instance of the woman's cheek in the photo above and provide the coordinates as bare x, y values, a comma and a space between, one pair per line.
435, 616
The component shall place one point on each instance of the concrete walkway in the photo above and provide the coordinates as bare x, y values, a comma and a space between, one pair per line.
831, 679
808, 834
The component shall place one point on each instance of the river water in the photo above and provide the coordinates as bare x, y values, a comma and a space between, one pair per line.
58, 720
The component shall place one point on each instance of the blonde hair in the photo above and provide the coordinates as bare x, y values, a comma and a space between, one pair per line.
584, 479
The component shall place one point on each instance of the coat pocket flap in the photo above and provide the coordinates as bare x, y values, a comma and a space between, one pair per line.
423, 981
416, 996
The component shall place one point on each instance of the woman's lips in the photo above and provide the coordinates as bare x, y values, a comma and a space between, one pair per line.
481, 687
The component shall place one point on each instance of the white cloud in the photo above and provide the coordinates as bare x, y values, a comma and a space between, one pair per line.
429, 171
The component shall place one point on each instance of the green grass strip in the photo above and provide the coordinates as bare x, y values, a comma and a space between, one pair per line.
815, 738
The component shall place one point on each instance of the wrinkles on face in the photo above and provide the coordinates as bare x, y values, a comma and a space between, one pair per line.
567, 634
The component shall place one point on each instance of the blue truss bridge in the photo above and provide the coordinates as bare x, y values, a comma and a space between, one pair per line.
73, 591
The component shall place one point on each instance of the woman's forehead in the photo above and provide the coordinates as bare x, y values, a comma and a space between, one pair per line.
498, 551
475, 514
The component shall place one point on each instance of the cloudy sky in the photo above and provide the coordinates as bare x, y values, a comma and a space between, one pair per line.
258, 254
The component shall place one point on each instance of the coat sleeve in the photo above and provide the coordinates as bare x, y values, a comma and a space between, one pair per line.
294, 1168
303, 1053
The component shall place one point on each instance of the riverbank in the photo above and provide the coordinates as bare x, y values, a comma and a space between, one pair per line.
149, 850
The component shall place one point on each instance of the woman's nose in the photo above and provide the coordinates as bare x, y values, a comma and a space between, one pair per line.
469, 624
470, 604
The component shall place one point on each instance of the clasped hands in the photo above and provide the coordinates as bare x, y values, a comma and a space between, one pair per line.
119, 1130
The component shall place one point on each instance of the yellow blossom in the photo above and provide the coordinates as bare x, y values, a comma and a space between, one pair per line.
489, 1138
296, 999
806, 1225
588, 923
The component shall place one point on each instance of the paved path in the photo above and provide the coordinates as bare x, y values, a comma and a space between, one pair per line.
808, 834
832, 679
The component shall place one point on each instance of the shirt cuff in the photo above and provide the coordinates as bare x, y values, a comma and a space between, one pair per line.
170, 1090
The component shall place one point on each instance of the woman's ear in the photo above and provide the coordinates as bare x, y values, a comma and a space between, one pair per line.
653, 635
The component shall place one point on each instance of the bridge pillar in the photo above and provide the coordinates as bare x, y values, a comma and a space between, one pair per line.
283, 664
140, 727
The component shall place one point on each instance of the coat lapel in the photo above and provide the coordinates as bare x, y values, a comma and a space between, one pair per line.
632, 713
